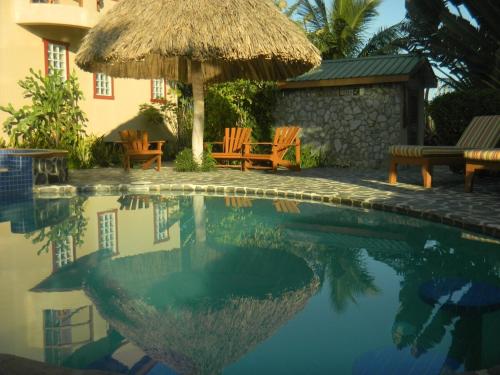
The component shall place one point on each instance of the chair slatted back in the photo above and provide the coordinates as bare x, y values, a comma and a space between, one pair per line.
482, 132
284, 137
137, 140
234, 139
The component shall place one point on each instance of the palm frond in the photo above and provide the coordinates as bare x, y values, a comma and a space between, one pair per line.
386, 41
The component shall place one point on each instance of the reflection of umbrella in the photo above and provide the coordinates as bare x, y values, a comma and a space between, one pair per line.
201, 318
197, 41
393, 361
461, 294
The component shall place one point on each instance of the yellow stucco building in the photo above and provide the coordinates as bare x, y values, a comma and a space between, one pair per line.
49, 320
45, 35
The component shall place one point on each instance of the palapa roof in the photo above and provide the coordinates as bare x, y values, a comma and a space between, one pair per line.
232, 38
366, 70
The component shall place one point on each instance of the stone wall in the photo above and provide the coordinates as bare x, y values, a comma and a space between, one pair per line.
353, 126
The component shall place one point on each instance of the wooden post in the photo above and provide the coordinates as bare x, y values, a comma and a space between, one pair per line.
199, 110
393, 172
469, 177
427, 173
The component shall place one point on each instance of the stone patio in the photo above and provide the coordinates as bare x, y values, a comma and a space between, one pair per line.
446, 202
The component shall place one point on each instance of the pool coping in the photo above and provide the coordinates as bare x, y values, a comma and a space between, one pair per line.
449, 218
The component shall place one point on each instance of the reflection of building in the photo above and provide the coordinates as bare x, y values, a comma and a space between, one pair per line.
45, 35
49, 318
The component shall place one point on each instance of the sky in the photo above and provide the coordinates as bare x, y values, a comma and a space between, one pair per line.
390, 12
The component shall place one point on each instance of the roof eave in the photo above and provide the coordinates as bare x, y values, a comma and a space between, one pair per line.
357, 81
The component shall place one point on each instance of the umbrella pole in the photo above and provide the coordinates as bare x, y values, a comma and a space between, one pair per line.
199, 111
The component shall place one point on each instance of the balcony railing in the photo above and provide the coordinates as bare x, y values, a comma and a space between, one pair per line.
71, 13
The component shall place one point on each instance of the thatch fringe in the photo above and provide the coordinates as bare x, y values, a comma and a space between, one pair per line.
232, 38
206, 339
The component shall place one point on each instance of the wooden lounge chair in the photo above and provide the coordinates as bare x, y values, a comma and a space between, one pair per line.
482, 132
137, 148
477, 160
284, 139
232, 146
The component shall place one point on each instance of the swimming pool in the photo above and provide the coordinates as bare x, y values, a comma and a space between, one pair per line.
192, 284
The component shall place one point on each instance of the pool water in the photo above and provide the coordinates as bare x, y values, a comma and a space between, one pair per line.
172, 284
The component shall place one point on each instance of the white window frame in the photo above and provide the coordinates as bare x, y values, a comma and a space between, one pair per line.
103, 86
56, 58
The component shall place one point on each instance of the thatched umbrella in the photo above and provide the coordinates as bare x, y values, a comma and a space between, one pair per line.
197, 42
200, 317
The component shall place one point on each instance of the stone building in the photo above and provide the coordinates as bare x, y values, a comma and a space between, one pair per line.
354, 109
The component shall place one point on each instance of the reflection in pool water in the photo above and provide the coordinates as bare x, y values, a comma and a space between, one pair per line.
207, 285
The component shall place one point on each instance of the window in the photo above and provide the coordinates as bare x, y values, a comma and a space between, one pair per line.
108, 230
158, 90
103, 86
161, 223
56, 58
63, 252
65, 331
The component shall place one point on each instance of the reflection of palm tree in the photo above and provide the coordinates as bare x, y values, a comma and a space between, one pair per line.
348, 277
422, 325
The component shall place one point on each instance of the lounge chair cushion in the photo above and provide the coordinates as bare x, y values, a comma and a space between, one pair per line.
483, 155
429, 151
482, 132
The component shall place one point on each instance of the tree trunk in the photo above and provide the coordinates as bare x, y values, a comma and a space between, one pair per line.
199, 110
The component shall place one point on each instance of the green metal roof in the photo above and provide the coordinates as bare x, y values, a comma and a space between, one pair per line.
375, 66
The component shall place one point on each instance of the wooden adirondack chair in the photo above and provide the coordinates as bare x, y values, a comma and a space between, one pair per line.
284, 139
232, 145
238, 202
136, 147
286, 206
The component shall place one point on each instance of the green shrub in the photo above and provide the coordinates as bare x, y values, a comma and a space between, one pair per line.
241, 103
184, 162
310, 157
53, 119
105, 154
452, 112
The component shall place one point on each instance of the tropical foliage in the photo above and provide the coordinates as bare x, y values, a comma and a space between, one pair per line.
184, 162
339, 29
241, 103
461, 37
53, 119
452, 112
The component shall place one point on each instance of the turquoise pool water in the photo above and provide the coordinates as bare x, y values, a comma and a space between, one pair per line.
165, 284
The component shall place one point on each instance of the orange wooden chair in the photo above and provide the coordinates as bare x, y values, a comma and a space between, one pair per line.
136, 147
238, 202
284, 139
286, 206
232, 146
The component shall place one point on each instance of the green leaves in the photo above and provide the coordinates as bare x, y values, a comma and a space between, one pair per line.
465, 49
53, 120
241, 103
339, 29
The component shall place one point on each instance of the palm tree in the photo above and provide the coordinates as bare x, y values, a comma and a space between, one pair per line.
339, 30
